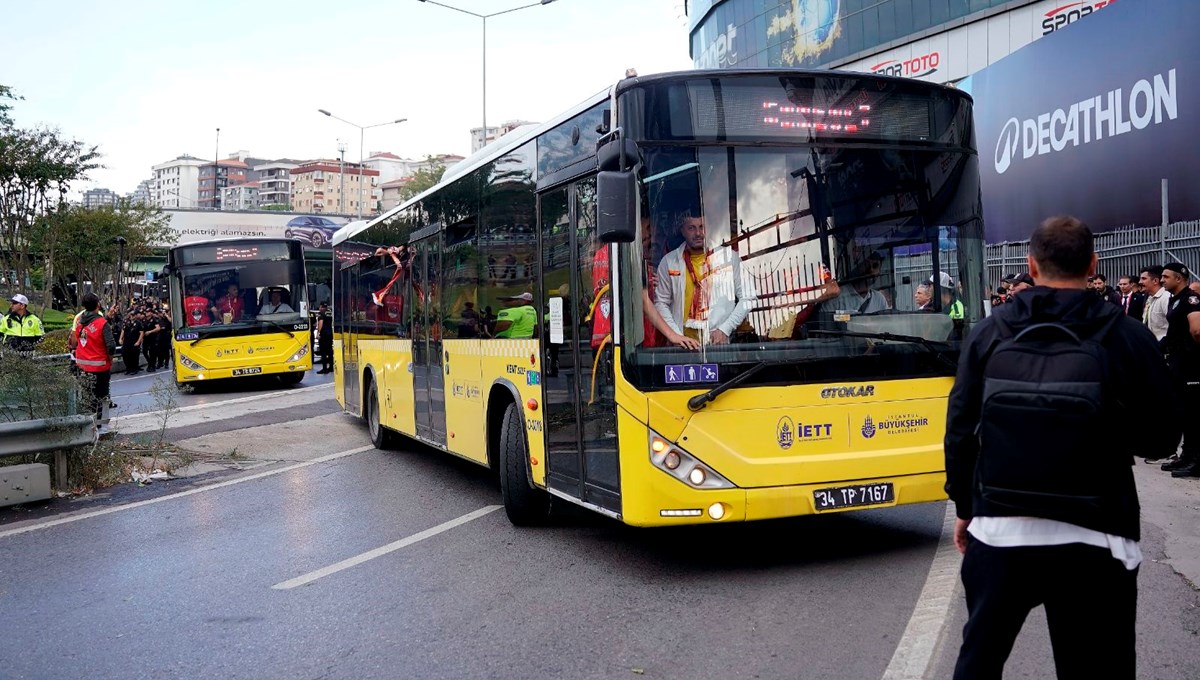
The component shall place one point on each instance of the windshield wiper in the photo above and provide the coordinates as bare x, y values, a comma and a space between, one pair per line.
290, 334
931, 345
698, 402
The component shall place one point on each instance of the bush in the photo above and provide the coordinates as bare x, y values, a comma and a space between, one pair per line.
33, 387
55, 342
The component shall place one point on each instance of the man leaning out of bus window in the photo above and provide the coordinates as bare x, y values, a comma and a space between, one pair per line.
700, 292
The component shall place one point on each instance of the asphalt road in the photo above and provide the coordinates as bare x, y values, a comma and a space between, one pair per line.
398, 565
137, 394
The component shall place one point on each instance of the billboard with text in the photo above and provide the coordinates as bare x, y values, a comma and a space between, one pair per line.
191, 226
1090, 120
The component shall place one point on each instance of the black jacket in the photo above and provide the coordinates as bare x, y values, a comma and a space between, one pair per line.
1145, 388
1137, 305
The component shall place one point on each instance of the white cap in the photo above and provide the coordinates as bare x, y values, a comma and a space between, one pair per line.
527, 297
20, 298
946, 281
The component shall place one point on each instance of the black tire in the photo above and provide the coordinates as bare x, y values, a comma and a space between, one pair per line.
293, 378
524, 504
317, 239
381, 437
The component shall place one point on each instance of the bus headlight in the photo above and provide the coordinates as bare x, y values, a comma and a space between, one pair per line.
188, 363
684, 466
300, 353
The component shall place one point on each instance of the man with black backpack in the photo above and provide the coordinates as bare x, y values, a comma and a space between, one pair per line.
1038, 465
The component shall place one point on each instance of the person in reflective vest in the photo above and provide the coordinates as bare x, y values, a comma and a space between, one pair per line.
20, 328
93, 343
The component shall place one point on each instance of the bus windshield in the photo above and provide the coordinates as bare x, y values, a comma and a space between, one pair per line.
245, 294
826, 224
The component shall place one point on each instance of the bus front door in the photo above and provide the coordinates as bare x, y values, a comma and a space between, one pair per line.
429, 393
350, 307
580, 418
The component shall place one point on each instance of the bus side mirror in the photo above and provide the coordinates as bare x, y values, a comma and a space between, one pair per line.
616, 194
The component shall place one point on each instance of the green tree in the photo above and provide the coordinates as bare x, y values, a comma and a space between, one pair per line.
80, 243
423, 179
37, 167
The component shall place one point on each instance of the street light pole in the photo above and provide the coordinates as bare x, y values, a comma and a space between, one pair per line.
216, 166
483, 18
362, 164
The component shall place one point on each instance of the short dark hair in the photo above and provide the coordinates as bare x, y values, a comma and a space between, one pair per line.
1130, 279
1063, 247
1153, 270
1099, 277
91, 302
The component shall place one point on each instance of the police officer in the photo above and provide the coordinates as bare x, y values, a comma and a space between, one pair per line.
325, 337
20, 328
132, 331
1182, 345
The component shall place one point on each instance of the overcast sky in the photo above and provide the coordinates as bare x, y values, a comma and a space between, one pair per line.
148, 80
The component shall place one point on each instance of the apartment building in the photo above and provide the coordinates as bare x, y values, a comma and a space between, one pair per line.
100, 198
324, 186
214, 177
176, 182
274, 180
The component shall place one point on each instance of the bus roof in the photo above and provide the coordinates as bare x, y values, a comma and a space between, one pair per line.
523, 134
475, 161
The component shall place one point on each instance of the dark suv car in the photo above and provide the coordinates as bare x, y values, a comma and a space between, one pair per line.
315, 229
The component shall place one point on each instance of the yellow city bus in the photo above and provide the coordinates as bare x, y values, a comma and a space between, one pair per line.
697, 297
239, 308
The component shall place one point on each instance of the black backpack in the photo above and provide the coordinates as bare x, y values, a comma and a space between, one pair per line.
1046, 412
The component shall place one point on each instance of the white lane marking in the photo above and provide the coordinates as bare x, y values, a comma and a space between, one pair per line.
913, 659
139, 377
385, 549
181, 494
214, 404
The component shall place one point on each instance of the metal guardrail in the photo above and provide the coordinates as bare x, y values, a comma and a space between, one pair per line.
44, 434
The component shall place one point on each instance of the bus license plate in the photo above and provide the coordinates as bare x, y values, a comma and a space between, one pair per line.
246, 371
853, 496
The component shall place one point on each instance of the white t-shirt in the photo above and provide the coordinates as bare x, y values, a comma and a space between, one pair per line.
849, 300
1011, 532
1155, 315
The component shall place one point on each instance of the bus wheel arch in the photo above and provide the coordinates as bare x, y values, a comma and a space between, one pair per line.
381, 436
524, 503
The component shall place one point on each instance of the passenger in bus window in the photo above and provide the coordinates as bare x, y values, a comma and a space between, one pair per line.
657, 332
700, 292
196, 308
228, 308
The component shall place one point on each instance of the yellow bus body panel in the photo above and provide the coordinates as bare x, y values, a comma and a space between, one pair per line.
265, 353
465, 434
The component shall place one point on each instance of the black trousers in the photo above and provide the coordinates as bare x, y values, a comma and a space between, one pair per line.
96, 385
131, 355
1090, 600
327, 351
1191, 426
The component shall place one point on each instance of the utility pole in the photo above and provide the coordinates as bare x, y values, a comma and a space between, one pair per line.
216, 168
342, 177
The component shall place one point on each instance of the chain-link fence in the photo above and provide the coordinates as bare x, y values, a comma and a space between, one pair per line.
1122, 252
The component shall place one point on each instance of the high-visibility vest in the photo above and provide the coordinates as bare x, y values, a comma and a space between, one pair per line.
91, 354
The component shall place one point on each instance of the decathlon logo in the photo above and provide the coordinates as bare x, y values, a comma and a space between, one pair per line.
1150, 101
1006, 146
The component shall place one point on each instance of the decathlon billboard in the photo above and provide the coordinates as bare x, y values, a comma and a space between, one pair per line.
1091, 119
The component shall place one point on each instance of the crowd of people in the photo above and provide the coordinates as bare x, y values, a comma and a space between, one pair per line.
1163, 298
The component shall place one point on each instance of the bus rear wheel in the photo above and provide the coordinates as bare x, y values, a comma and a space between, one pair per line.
524, 504
381, 437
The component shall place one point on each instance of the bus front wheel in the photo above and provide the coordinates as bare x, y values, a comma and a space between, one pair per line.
291, 378
524, 504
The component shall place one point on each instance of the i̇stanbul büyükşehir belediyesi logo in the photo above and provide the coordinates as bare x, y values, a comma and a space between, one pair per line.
1151, 101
